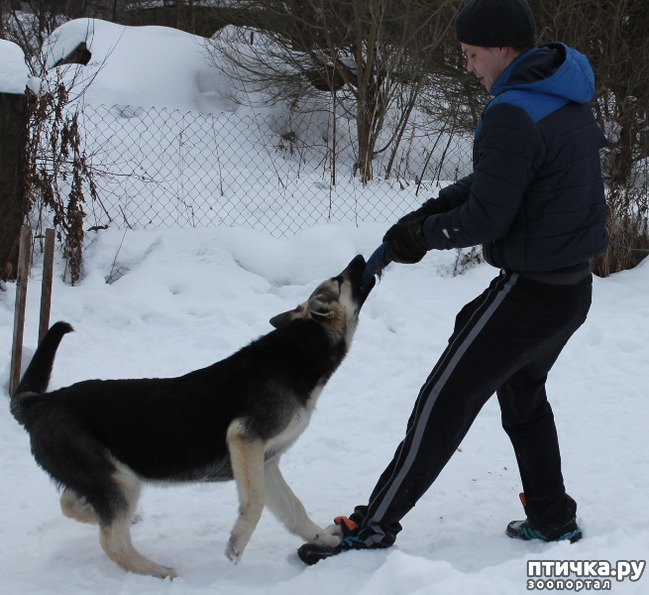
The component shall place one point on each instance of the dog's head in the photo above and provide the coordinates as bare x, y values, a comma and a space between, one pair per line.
335, 303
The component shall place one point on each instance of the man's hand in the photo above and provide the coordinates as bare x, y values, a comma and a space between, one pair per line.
406, 242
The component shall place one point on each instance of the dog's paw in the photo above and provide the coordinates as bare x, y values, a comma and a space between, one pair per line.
164, 572
334, 529
232, 553
329, 536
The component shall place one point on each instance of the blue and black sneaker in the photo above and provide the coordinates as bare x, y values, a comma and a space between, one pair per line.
523, 530
312, 553
564, 528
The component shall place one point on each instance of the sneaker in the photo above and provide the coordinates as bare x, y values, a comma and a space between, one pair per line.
523, 530
556, 523
312, 553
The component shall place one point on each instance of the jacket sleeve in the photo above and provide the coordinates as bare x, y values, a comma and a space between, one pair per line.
453, 195
509, 152
448, 198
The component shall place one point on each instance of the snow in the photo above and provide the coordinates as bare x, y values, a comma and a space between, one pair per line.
13, 68
141, 66
181, 299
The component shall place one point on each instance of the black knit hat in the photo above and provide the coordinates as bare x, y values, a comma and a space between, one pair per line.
495, 23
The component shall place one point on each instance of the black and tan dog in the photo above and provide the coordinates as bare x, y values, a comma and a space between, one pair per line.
99, 439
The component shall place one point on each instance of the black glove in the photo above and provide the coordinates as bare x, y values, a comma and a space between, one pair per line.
406, 242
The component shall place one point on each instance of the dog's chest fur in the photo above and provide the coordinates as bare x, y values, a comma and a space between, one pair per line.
297, 424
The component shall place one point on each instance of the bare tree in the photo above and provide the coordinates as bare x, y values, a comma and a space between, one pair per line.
368, 50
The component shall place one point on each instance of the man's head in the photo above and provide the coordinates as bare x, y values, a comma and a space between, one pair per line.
492, 34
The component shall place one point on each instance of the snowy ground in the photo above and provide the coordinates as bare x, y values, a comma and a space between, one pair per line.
187, 298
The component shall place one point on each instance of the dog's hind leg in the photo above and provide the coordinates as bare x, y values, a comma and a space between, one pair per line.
247, 458
77, 507
115, 535
288, 508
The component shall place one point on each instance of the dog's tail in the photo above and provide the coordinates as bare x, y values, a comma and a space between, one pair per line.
37, 376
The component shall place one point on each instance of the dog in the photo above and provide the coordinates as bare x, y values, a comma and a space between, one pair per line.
100, 439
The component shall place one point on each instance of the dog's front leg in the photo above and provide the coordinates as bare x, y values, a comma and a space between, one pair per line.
288, 508
247, 457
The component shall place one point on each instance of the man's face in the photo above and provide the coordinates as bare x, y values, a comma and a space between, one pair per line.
487, 63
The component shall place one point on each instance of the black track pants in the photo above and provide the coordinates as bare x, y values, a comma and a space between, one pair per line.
505, 342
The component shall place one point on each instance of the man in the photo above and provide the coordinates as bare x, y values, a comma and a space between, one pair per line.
535, 201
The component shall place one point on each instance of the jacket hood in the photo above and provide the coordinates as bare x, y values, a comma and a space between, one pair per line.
553, 69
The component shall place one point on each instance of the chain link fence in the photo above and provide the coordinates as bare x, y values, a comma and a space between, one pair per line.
169, 168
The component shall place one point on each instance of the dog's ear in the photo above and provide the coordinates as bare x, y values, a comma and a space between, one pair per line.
280, 320
317, 309
321, 311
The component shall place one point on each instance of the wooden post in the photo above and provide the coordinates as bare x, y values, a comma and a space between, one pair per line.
46, 288
13, 132
24, 256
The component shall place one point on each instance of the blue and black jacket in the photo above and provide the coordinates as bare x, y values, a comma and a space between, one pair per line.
535, 199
